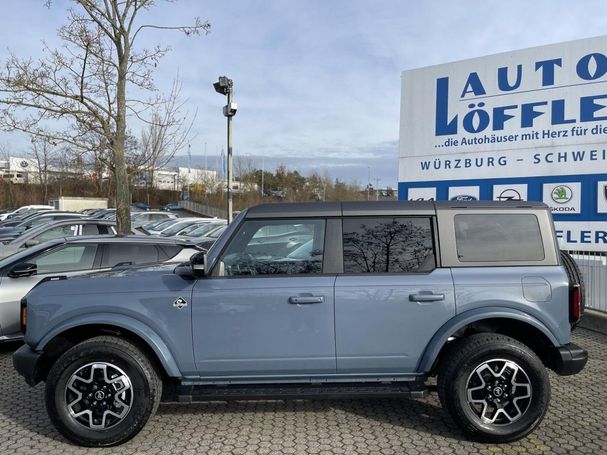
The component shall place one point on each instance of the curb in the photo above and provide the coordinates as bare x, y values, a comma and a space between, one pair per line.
594, 320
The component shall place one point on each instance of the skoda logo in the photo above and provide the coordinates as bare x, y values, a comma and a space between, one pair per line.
561, 194
463, 197
509, 194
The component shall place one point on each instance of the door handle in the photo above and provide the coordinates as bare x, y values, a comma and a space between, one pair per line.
299, 300
426, 297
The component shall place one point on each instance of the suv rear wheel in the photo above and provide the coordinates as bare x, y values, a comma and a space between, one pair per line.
495, 388
102, 391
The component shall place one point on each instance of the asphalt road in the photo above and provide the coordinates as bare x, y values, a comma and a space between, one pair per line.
576, 422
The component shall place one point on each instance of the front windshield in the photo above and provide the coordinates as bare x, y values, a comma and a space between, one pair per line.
160, 225
38, 222
189, 229
200, 231
177, 228
217, 232
29, 233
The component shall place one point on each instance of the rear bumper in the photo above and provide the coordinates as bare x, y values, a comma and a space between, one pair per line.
27, 363
570, 359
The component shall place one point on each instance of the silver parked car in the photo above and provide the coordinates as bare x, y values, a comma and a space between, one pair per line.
76, 256
55, 230
142, 218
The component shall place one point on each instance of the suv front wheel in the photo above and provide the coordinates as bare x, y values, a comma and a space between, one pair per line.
495, 388
101, 392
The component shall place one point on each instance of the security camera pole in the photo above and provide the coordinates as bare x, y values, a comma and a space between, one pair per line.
224, 86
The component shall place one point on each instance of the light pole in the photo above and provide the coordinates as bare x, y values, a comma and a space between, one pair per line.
263, 169
224, 86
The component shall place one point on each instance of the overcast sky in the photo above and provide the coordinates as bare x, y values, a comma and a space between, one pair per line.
317, 81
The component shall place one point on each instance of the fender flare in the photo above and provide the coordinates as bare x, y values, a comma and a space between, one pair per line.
120, 321
461, 320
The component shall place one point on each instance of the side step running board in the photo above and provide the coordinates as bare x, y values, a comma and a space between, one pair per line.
189, 393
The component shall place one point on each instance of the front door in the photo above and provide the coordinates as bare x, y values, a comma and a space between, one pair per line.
392, 298
267, 309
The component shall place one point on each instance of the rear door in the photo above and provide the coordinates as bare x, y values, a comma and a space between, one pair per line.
392, 297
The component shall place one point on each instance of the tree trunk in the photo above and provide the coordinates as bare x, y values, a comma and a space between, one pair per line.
123, 194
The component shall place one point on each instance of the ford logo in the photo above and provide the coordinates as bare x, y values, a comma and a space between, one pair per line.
463, 197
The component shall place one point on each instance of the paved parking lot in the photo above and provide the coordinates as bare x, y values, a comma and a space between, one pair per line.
576, 422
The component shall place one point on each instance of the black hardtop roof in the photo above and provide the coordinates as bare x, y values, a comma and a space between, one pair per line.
377, 208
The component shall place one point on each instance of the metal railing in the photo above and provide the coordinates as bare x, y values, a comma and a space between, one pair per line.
593, 265
202, 209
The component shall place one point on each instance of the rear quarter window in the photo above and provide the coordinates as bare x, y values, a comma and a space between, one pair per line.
498, 237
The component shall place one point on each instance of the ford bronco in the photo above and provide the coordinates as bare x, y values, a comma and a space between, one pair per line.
319, 300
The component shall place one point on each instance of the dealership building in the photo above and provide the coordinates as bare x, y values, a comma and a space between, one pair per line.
523, 125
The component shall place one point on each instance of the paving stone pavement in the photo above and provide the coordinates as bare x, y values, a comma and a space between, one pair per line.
576, 422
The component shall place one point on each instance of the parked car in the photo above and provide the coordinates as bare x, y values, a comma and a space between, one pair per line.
170, 207
386, 295
142, 218
206, 242
178, 228
57, 229
14, 213
179, 223
75, 256
21, 217
101, 214
34, 221
155, 227
201, 230
14, 220
141, 205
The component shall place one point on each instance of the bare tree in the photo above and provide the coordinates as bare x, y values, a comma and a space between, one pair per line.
168, 132
82, 87
44, 153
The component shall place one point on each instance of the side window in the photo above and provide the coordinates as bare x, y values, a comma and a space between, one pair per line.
93, 229
69, 258
388, 245
276, 247
498, 237
58, 232
167, 252
116, 253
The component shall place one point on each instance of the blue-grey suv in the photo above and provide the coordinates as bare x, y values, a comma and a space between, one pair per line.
351, 299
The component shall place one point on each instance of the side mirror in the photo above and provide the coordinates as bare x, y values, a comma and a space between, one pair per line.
23, 270
32, 242
198, 264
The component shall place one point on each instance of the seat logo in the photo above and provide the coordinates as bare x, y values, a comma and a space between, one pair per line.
180, 303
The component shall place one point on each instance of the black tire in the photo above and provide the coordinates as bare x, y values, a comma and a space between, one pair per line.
575, 277
457, 373
121, 359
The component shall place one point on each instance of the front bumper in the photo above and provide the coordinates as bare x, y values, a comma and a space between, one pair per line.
27, 363
570, 359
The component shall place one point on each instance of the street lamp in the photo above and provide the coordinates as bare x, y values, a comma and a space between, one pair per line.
224, 86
